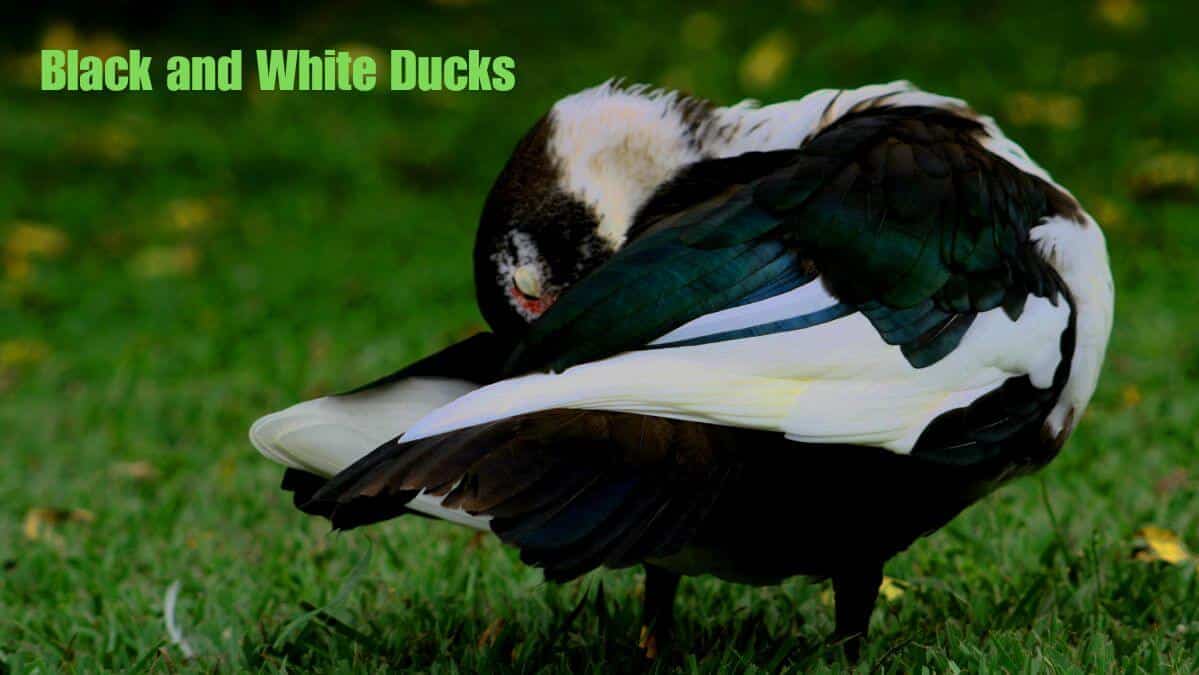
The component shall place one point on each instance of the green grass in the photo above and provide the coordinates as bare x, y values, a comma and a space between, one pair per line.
331, 243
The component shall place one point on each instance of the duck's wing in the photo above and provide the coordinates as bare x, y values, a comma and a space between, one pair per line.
902, 212
884, 274
880, 287
572, 489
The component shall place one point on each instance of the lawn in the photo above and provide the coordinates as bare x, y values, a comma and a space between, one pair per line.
175, 265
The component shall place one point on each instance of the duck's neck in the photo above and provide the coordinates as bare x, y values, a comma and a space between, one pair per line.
615, 146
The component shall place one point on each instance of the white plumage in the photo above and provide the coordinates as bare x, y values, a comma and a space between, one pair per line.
865, 298
836, 382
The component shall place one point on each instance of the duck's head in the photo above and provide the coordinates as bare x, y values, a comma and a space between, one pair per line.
567, 197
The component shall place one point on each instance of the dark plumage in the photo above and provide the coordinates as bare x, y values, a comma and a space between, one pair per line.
898, 224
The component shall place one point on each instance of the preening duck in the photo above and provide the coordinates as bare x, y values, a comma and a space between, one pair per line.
753, 342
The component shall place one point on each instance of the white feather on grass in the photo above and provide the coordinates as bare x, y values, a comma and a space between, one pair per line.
169, 603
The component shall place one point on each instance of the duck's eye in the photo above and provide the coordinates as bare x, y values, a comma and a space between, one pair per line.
528, 280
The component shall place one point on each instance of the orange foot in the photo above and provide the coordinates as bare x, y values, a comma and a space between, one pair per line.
648, 642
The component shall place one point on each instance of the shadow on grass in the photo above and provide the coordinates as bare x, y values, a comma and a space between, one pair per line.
596, 633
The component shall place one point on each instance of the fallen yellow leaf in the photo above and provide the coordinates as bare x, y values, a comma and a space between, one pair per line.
189, 215
1167, 174
60, 35
766, 61
165, 261
891, 589
1131, 396
40, 521
17, 269
1060, 111
1160, 544
1109, 214
28, 240
138, 470
1125, 14
20, 353
63, 35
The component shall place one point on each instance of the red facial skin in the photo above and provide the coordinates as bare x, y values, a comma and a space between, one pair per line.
534, 306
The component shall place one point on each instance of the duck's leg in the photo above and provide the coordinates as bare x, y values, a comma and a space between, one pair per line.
855, 592
657, 622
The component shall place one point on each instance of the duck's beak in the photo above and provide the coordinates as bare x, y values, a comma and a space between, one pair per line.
528, 280
529, 290
534, 306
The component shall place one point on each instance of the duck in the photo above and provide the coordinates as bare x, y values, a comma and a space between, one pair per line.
748, 341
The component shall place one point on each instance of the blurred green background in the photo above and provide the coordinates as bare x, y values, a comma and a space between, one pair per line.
174, 265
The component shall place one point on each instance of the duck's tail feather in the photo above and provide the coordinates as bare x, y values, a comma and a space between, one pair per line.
325, 435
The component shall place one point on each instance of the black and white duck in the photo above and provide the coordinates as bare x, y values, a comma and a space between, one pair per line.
747, 341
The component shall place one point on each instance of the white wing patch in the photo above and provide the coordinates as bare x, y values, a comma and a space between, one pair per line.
325, 435
431, 506
809, 298
1079, 254
837, 382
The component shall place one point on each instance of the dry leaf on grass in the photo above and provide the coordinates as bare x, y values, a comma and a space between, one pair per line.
1059, 111
21, 353
155, 262
189, 215
1108, 212
1165, 176
138, 470
491, 633
1157, 544
1122, 14
64, 36
28, 240
890, 590
40, 522
1131, 396
766, 62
